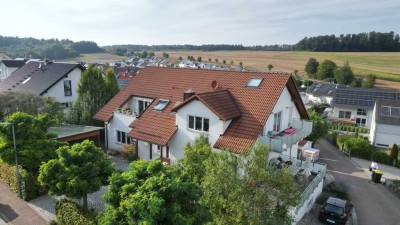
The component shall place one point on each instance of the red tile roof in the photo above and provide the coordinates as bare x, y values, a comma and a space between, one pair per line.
255, 104
220, 102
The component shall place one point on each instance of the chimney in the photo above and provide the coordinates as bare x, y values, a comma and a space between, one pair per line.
187, 94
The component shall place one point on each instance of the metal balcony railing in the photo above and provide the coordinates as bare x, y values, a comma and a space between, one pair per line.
282, 141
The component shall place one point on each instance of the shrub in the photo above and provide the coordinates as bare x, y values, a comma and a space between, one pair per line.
128, 152
341, 140
70, 213
359, 147
394, 154
380, 157
30, 187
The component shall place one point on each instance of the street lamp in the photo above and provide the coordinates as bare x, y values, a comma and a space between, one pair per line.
16, 158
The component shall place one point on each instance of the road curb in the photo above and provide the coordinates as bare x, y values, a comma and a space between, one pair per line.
354, 216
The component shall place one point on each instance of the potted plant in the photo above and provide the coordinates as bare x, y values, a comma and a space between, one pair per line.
119, 109
128, 111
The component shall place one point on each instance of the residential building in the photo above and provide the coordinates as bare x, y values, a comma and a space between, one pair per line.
186, 63
46, 78
4, 56
385, 126
8, 66
320, 93
355, 105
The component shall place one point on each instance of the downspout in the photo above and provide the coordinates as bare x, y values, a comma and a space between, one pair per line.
106, 134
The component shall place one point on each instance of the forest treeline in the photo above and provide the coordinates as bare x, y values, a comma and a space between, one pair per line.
46, 48
64, 48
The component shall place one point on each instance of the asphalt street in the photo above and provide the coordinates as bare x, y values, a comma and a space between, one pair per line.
374, 204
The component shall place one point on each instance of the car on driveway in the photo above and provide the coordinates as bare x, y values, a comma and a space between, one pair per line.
335, 211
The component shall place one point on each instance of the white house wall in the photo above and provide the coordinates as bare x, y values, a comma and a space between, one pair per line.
184, 134
133, 103
386, 134
119, 122
57, 91
335, 114
6, 71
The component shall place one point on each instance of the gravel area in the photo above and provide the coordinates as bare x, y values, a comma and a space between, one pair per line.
311, 218
45, 205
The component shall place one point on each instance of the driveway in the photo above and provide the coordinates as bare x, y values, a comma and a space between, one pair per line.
374, 204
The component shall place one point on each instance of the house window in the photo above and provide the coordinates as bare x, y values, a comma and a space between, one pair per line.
199, 123
67, 88
362, 112
143, 105
123, 138
362, 122
161, 105
254, 82
344, 115
277, 121
390, 111
159, 149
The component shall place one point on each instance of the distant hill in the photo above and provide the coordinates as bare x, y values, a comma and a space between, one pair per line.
46, 48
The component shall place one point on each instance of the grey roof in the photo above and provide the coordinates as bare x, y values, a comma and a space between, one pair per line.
361, 98
13, 63
387, 119
68, 130
40, 79
321, 89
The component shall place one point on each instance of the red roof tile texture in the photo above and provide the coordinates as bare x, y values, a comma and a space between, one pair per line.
220, 102
254, 104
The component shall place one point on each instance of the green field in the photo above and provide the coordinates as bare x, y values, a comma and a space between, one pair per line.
96, 58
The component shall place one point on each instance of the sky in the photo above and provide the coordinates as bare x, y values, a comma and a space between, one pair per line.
151, 22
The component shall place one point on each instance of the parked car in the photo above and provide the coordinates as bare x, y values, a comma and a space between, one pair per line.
335, 211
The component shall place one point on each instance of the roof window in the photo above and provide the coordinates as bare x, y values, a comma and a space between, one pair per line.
24, 82
254, 82
161, 105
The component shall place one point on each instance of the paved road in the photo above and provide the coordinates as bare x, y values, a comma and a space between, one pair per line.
15, 210
374, 204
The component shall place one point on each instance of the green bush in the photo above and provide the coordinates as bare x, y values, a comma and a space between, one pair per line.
359, 147
380, 157
70, 213
30, 187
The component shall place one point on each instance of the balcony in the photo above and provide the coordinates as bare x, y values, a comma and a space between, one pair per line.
281, 141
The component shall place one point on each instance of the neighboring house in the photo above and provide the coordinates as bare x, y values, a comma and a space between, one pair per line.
385, 126
355, 105
4, 56
235, 109
55, 79
320, 93
7, 67
186, 63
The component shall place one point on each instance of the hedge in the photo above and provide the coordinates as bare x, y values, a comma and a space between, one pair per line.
349, 128
70, 213
30, 187
380, 157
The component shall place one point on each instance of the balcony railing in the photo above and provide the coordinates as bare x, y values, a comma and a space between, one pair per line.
279, 142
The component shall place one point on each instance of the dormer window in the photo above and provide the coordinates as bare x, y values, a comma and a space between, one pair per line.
161, 105
254, 82
143, 105
199, 123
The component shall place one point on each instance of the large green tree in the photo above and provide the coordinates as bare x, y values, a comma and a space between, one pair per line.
344, 74
11, 102
326, 70
78, 170
311, 67
319, 129
111, 83
242, 189
35, 145
152, 193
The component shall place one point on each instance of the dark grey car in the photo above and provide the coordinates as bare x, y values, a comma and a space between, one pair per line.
335, 211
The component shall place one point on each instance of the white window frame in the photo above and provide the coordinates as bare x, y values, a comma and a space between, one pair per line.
344, 114
195, 128
127, 140
277, 126
362, 112
144, 104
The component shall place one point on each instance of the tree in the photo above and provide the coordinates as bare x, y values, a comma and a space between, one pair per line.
326, 70
195, 157
296, 72
91, 97
199, 59
224, 61
344, 75
152, 193
78, 170
11, 102
165, 55
216, 60
394, 154
151, 54
369, 81
180, 57
232, 62
270, 66
319, 128
144, 54
209, 59
241, 64
311, 67
258, 194
35, 145
112, 87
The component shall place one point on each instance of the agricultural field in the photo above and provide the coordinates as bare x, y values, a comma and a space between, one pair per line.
385, 65
96, 58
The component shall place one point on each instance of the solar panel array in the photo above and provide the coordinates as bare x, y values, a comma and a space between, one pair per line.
362, 97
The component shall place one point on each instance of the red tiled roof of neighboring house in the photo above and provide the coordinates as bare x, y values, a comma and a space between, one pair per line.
255, 104
220, 102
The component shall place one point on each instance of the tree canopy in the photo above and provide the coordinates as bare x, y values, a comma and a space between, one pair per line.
270, 66
152, 193
344, 75
326, 70
11, 102
78, 170
35, 145
311, 67
320, 128
111, 83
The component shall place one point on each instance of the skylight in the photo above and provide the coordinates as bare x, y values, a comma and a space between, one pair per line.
24, 82
161, 105
254, 82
